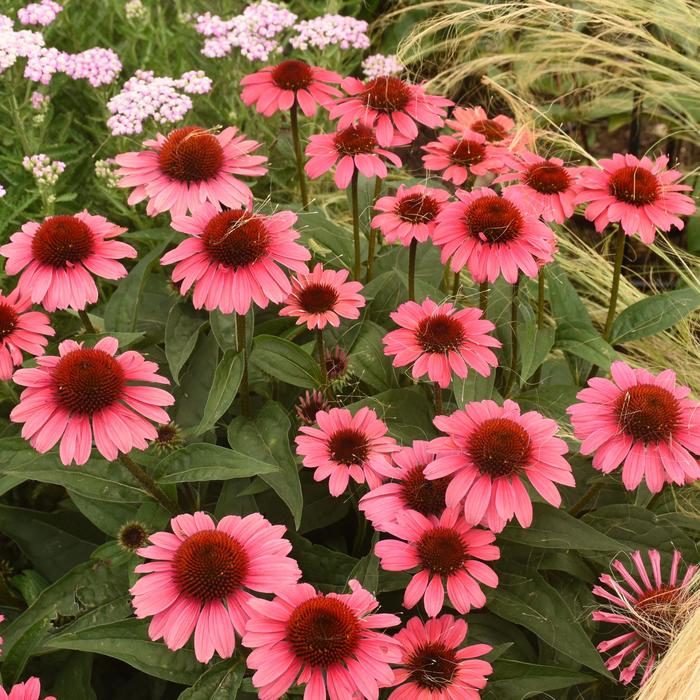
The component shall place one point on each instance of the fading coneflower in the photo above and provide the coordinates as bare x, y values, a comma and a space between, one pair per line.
309, 405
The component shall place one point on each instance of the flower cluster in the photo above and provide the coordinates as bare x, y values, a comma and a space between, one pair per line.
330, 30
105, 170
378, 64
96, 65
44, 170
42, 13
16, 44
135, 11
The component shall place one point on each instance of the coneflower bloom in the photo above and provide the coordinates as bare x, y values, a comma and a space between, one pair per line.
20, 331
189, 166
328, 642
320, 297
492, 235
235, 257
86, 392
646, 611
276, 88
346, 446
641, 194
201, 577
309, 405
646, 422
409, 214
58, 257
352, 148
445, 549
489, 451
457, 158
408, 490
435, 665
390, 105
29, 690
544, 185
439, 340
496, 130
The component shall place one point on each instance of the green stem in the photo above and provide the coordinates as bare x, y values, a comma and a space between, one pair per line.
514, 338
147, 482
372, 248
615, 288
540, 317
592, 492
412, 249
19, 124
456, 284
322, 359
293, 117
357, 269
484, 297
438, 399
87, 323
360, 534
241, 342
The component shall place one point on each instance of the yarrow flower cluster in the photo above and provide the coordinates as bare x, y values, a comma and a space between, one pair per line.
39, 101
378, 64
16, 44
331, 30
106, 170
135, 11
44, 170
42, 13
97, 65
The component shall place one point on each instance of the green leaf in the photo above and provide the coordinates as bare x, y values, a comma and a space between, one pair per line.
653, 315
367, 359
192, 394
323, 236
73, 679
366, 571
517, 680
224, 328
227, 379
286, 361
535, 344
324, 568
181, 332
585, 342
473, 387
220, 682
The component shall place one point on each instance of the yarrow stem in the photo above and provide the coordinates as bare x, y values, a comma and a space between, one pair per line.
151, 487
87, 323
372, 248
241, 343
413, 248
294, 120
357, 269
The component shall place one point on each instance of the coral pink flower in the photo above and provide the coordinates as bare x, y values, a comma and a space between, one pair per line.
459, 157
323, 296
434, 664
440, 340
643, 420
277, 87
20, 330
648, 610
410, 489
190, 166
328, 642
410, 214
544, 185
440, 548
496, 130
234, 257
29, 690
345, 446
59, 256
86, 391
490, 450
353, 149
200, 576
640, 194
492, 235
390, 105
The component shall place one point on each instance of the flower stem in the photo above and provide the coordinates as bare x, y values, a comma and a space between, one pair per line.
372, 249
438, 399
147, 482
357, 269
456, 284
615, 288
241, 343
412, 249
540, 317
87, 323
360, 533
320, 347
484, 297
585, 499
514, 338
293, 118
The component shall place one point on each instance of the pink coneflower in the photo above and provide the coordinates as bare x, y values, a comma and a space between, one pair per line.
649, 611
20, 331
323, 296
352, 148
327, 642
346, 446
444, 548
496, 130
441, 339
234, 257
434, 664
544, 186
470, 154
201, 576
190, 166
309, 405
90, 391
29, 690
489, 451
643, 420
409, 214
59, 256
492, 235
640, 194
276, 88
390, 105
409, 490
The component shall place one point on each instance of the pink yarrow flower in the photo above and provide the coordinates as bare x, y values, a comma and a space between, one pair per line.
29, 690
475, 119
646, 611
492, 236
641, 194
439, 340
201, 575
353, 149
543, 185
58, 257
190, 166
328, 642
410, 214
645, 422
346, 446
278, 87
445, 549
390, 105
323, 296
489, 451
435, 665
235, 257
86, 392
